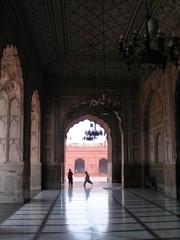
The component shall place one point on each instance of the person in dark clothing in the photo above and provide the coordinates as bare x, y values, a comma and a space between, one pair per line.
70, 178
87, 179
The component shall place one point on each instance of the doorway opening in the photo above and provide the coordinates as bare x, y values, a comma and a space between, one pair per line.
86, 149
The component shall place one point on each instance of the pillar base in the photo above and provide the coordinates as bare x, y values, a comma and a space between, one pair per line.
12, 188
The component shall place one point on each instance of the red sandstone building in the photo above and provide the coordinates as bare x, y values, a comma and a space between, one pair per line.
92, 159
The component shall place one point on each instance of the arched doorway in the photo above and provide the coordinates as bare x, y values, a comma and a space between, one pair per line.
79, 166
103, 166
91, 163
11, 127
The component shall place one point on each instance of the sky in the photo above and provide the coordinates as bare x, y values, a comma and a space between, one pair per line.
77, 132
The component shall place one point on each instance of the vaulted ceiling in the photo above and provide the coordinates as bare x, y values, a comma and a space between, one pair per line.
71, 39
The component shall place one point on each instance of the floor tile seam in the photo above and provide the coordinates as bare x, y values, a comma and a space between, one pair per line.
165, 229
146, 228
167, 221
18, 225
161, 211
44, 220
68, 233
124, 230
117, 217
122, 223
34, 210
151, 214
155, 204
161, 196
99, 238
66, 224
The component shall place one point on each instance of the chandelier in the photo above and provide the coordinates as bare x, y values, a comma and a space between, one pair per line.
92, 133
151, 48
104, 105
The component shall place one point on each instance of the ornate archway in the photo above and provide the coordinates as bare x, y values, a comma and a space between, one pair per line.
11, 127
106, 128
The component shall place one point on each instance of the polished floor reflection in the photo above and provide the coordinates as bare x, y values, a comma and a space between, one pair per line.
99, 212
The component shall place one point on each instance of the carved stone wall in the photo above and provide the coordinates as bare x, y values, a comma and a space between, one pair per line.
158, 137
63, 110
35, 143
11, 127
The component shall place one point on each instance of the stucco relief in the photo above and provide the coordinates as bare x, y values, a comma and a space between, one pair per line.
168, 152
166, 107
165, 87
3, 121
156, 129
35, 126
12, 89
4, 78
2, 151
10, 106
167, 128
157, 108
3, 124
10, 63
13, 151
13, 128
69, 104
151, 153
35, 142
160, 97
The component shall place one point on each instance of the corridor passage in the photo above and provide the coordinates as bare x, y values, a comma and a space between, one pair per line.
101, 212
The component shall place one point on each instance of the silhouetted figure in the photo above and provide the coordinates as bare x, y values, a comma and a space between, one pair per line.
87, 179
70, 178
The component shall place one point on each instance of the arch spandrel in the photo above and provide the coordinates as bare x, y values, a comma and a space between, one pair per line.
82, 111
90, 117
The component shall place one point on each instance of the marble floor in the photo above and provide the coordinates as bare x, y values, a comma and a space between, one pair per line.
99, 212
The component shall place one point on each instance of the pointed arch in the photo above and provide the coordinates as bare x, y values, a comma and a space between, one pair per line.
156, 128
153, 99
107, 130
35, 147
11, 121
154, 145
103, 165
159, 156
92, 118
79, 166
35, 128
11, 102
